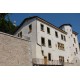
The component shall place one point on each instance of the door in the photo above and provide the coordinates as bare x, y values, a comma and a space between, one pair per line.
61, 59
45, 59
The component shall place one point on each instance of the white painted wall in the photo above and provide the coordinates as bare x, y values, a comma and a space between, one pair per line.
35, 38
55, 52
70, 42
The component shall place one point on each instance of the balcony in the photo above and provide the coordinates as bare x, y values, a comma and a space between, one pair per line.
42, 62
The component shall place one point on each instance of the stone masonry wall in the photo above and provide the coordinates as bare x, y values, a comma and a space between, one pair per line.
14, 51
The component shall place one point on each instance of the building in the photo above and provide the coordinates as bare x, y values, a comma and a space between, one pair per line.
50, 45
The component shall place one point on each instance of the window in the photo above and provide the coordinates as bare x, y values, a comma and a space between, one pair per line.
64, 38
71, 35
42, 41
61, 58
76, 51
30, 28
68, 60
21, 34
74, 40
18, 34
48, 30
56, 34
49, 43
42, 27
49, 56
60, 46
61, 36
73, 45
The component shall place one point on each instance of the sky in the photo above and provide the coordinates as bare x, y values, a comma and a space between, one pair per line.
56, 19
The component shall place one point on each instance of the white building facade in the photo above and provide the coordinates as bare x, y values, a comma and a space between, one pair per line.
50, 45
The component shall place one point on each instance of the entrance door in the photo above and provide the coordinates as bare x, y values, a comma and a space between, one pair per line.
61, 59
45, 59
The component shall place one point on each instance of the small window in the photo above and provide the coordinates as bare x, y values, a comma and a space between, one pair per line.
76, 51
21, 34
49, 43
56, 34
60, 46
68, 60
64, 38
30, 28
18, 34
61, 36
42, 41
73, 45
42, 27
48, 30
74, 40
71, 35
49, 56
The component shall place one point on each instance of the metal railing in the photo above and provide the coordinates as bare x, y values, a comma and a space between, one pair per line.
42, 62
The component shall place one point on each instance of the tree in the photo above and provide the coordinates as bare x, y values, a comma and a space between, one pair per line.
5, 24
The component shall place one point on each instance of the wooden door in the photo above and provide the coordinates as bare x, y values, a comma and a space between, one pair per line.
61, 59
45, 59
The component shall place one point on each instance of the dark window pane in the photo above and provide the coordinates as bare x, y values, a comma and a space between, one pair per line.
49, 56
56, 34
49, 43
43, 41
21, 34
61, 36
48, 30
42, 27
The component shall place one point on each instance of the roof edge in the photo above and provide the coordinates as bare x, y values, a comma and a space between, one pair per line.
65, 25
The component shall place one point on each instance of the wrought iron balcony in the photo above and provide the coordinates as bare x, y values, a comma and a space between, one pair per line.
37, 61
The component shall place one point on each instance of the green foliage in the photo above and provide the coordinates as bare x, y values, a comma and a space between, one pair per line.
5, 24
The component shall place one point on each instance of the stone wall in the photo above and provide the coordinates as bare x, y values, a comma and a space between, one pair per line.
14, 51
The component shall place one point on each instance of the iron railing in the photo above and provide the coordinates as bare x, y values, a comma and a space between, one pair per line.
38, 61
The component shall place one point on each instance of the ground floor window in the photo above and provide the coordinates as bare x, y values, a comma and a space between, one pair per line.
49, 56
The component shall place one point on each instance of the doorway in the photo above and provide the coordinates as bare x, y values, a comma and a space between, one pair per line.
45, 60
61, 59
